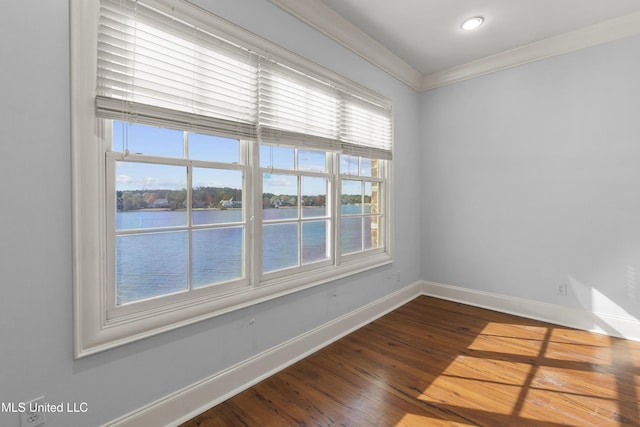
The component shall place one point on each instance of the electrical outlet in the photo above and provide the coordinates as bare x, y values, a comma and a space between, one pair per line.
33, 414
562, 289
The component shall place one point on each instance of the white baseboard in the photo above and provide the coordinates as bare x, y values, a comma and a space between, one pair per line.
551, 313
195, 399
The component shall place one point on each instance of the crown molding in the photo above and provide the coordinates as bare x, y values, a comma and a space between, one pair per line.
324, 19
319, 16
610, 30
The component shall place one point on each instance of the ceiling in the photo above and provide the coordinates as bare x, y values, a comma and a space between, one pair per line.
425, 35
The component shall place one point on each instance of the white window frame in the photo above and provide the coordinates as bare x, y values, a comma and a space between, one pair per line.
96, 328
382, 182
265, 277
114, 311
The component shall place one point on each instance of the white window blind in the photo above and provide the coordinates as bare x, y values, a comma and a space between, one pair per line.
300, 109
296, 109
366, 129
157, 69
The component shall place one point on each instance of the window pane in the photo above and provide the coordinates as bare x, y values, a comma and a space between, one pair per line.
217, 196
375, 168
216, 216
372, 197
150, 265
150, 219
371, 237
314, 241
351, 197
150, 195
279, 196
314, 196
351, 235
279, 246
276, 157
365, 166
216, 255
213, 148
312, 161
150, 140
349, 165
272, 213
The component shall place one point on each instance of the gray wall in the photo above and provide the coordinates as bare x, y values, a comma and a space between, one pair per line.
518, 181
530, 180
35, 247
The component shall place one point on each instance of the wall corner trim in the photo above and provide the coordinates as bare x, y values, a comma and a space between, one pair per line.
603, 32
326, 20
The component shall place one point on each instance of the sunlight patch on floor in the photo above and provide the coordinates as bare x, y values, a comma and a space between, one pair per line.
514, 330
484, 369
592, 383
413, 420
510, 345
635, 356
544, 405
578, 353
566, 335
473, 394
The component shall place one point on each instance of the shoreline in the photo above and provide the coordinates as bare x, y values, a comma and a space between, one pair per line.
228, 209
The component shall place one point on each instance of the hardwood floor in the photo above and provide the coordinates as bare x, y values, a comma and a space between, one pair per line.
438, 363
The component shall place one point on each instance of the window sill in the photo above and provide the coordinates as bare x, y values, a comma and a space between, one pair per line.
147, 323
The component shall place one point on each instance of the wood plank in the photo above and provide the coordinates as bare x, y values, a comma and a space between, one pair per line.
438, 363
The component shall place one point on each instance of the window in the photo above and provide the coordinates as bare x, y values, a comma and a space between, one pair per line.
362, 208
208, 175
177, 204
296, 221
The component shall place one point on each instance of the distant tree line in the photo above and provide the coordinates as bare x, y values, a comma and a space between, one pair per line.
354, 199
270, 200
211, 197
203, 197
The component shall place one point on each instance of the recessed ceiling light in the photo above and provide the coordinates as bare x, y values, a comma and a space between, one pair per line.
472, 23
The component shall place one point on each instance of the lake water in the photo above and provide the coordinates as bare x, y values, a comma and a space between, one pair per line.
154, 264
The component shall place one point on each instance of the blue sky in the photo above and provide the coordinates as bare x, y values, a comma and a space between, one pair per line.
142, 139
